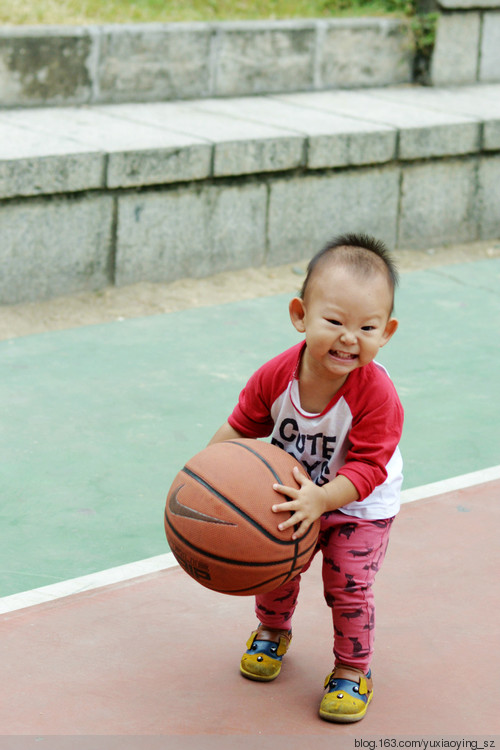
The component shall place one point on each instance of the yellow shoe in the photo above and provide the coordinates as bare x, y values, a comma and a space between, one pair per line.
349, 694
265, 650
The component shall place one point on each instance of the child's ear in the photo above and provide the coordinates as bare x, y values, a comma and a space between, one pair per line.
297, 314
390, 330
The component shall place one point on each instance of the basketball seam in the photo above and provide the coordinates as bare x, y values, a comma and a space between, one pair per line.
249, 590
239, 511
218, 558
255, 453
278, 479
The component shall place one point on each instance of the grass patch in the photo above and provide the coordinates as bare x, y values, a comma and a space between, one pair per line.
74, 12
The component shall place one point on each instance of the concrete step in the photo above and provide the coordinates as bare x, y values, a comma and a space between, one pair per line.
116, 63
95, 195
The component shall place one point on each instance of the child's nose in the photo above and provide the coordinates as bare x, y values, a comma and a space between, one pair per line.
348, 337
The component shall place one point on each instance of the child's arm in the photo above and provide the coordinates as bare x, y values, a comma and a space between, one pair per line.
310, 501
226, 432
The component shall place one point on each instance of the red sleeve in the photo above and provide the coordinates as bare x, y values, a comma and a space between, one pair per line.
252, 414
375, 433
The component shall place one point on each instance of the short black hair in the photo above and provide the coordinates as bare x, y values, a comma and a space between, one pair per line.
363, 253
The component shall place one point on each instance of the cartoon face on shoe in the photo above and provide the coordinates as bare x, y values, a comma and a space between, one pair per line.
262, 660
346, 700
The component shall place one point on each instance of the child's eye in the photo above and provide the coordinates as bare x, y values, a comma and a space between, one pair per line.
367, 328
335, 322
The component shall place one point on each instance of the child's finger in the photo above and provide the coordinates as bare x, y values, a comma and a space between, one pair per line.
283, 507
290, 522
301, 525
299, 476
301, 530
283, 490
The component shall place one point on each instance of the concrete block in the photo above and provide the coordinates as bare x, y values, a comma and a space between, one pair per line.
423, 131
305, 213
491, 135
239, 146
332, 140
45, 65
34, 163
158, 165
153, 62
489, 68
467, 4
138, 154
489, 197
142, 150
262, 56
272, 154
456, 51
438, 204
54, 247
364, 52
168, 235
478, 102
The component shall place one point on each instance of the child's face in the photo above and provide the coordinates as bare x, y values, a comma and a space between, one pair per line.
346, 319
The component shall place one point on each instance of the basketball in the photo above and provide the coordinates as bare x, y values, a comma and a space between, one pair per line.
219, 523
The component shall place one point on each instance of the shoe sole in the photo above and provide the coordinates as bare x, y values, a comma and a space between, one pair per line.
258, 677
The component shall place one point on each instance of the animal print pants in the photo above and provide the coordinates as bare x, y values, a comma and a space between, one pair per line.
353, 550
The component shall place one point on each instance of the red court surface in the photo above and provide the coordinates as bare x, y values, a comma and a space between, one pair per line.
158, 656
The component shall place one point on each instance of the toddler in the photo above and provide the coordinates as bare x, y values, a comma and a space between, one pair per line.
330, 405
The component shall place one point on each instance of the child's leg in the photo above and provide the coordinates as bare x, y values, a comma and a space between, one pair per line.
353, 551
268, 644
275, 609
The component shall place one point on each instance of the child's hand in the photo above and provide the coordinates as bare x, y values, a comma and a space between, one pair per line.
308, 502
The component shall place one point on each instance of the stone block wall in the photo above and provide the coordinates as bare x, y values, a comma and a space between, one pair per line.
135, 188
158, 192
64, 245
467, 48
52, 66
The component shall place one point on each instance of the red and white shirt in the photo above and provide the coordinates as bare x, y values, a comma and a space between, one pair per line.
356, 435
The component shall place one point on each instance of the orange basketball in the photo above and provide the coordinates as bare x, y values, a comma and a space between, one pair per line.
219, 523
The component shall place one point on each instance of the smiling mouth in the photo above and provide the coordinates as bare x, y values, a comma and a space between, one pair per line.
343, 355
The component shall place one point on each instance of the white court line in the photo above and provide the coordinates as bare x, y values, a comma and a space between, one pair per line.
450, 485
124, 573
89, 582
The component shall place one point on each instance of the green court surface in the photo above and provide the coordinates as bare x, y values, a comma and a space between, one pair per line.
96, 421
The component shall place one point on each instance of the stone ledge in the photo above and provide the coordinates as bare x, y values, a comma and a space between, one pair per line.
92, 196
57, 150
47, 66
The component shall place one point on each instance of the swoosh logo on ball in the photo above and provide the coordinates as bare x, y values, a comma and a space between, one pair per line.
178, 509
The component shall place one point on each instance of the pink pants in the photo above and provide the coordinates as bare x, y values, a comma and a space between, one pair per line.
353, 550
